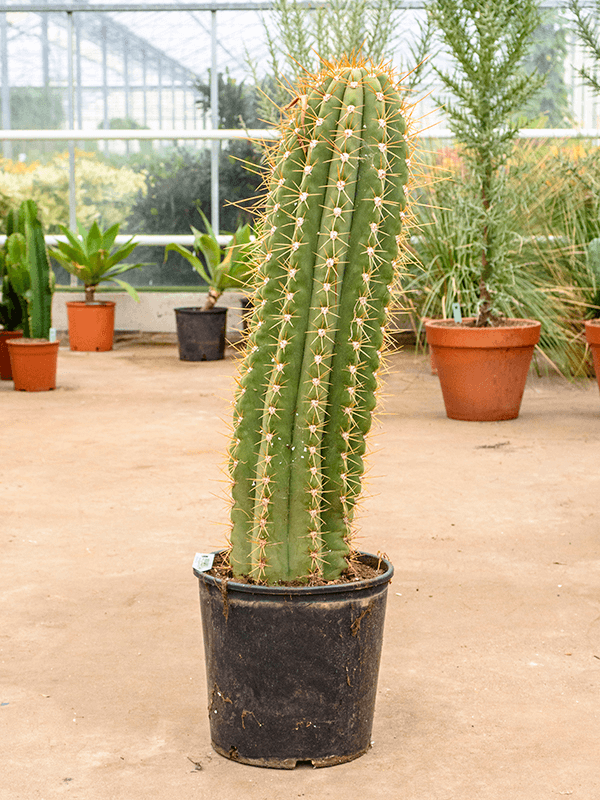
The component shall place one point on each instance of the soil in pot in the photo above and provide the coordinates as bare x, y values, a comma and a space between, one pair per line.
200, 333
292, 671
33, 363
5, 368
91, 325
482, 371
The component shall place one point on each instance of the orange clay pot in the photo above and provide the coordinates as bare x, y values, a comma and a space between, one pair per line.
33, 364
592, 334
482, 371
91, 325
5, 370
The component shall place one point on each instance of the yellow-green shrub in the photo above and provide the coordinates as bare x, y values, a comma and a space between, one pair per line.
103, 193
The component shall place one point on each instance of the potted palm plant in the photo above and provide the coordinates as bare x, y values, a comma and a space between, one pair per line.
292, 613
94, 258
201, 331
483, 358
33, 358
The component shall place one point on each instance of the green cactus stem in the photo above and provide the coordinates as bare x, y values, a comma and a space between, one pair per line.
330, 241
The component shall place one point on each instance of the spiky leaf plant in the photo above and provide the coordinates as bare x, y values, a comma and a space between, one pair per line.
326, 263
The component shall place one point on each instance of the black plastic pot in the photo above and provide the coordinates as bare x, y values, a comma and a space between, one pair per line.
201, 334
247, 308
292, 672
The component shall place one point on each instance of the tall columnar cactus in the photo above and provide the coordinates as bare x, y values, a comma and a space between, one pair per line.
329, 250
28, 271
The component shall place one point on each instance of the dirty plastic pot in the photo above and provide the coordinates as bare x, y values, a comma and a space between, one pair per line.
5, 368
482, 371
33, 363
91, 325
201, 334
292, 671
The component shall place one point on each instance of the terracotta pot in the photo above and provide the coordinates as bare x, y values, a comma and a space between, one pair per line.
91, 325
592, 334
5, 369
33, 363
482, 371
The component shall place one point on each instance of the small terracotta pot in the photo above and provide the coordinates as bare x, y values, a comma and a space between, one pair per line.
91, 325
482, 371
592, 334
33, 364
5, 369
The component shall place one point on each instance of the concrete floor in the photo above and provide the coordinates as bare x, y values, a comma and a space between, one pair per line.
490, 678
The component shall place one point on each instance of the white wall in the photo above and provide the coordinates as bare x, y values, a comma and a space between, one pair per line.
153, 314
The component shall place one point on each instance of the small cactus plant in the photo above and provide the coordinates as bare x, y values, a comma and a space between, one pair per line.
326, 261
28, 283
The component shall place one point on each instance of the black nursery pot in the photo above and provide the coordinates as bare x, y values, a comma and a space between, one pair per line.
292, 671
201, 334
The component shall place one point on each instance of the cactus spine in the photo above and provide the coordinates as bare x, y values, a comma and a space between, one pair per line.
306, 394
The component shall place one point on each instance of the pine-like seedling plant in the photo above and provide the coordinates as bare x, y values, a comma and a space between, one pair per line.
487, 41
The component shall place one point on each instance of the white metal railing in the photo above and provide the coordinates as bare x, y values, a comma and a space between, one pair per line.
74, 135
255, 133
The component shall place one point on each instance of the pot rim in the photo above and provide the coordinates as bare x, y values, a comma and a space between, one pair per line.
450, 324
94, 304
308, 591
25, 342
200, 310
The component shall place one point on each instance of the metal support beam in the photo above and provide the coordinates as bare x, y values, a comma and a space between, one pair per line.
5, 101
214, 113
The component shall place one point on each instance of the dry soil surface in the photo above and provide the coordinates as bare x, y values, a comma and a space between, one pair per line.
490, 677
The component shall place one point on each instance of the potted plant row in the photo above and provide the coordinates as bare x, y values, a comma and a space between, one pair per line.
27, 288
201, 331
292, 613
93, 257
482, 361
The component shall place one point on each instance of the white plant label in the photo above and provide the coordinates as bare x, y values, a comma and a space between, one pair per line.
203, 561
457, 313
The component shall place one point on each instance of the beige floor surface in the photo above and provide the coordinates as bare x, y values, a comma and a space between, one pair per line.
490, 679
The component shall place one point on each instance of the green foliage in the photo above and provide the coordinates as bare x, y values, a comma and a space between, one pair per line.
94, 258
550, 106
237, 103
593, 265
300, 38
178, 189
552, 213
35, 108
325, 263
14, 283
488, 87
102, 192
220, 271
27, 280
587, 28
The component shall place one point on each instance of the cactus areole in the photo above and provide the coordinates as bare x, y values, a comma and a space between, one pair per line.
328, 256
